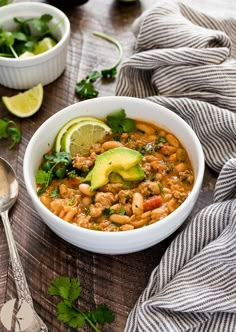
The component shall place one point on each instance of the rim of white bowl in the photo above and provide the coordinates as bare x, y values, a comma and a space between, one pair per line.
49, 53
99, 234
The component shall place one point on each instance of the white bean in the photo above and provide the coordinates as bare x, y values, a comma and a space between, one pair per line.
85, 189
146, 128
120, 219
111, 145
172, 140
137, 204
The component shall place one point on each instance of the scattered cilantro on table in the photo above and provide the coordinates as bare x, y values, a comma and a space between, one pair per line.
69, 290
85, 88
8, 128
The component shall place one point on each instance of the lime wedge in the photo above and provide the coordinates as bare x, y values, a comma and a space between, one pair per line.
80, 137
26, 103
44, 45
63, 130
26, 55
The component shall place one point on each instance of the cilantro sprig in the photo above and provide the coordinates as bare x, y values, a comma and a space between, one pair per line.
26, 36
118, 122
56, 165
9, 129
69, 290
85, 88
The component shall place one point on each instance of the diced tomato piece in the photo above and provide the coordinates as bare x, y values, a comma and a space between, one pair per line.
152, 203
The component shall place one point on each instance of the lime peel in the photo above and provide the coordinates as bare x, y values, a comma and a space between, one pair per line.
65, 128
80, 137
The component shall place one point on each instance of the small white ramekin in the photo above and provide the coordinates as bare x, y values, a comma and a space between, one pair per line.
43, 68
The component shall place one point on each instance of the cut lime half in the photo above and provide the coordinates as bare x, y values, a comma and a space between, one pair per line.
80, 137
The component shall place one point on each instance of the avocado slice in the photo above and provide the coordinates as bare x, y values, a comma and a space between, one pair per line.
116, 178
110, 161
134, 173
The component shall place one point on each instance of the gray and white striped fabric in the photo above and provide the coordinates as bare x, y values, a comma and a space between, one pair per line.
185, 60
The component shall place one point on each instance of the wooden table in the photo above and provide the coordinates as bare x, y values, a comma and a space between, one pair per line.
114, 280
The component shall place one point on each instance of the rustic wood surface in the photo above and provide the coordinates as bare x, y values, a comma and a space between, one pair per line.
114, 280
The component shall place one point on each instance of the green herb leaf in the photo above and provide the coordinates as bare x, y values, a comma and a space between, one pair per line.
108, 212
9, 128
122, 211
54, 192
42, 177
161, 188
68, 289
170, 168
111, 72
85, 88
162, 140
3, 2
118, 122
69, 315
25, 37
101, 315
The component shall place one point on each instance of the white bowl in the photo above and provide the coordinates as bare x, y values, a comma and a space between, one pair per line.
114, 242
43, 68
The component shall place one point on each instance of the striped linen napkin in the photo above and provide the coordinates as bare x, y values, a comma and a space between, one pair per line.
185, 61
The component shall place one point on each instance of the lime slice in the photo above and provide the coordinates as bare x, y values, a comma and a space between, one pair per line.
80, 137
63, 130
26, 103
44, 45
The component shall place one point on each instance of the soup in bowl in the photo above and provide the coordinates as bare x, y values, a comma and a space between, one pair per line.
127, 190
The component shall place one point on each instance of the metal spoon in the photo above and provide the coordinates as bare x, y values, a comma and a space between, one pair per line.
8, 196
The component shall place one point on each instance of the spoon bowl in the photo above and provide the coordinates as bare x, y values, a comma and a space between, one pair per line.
9, 186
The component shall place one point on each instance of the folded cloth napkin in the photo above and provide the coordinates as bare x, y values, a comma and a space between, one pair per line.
185, 61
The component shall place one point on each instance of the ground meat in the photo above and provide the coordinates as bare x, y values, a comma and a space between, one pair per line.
105, 199
112, 187
179, 196
149, 188
83, 221
186, 176
124, 196
83, 163
95, 210
96, 148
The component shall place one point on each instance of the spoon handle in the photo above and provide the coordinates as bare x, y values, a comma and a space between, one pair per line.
18, 272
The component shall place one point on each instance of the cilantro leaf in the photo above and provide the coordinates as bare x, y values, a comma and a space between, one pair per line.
9, 128
42, 177
26, 35
68, 289
118, 122
54, 192
101, 315
85, 88
57, 165
69, 315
